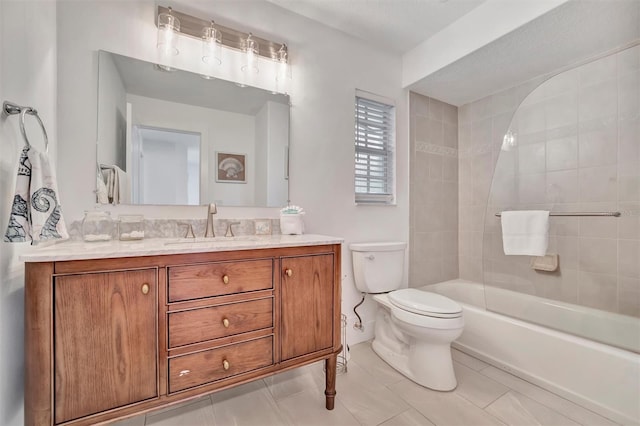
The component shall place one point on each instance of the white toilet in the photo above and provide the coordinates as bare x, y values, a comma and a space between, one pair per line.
414, 328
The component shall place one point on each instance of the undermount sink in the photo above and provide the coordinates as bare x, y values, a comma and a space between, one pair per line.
215, 240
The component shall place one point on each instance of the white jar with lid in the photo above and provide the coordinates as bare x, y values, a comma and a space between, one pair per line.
97, 226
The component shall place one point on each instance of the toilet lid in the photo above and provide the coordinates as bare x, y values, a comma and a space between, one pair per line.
425, 303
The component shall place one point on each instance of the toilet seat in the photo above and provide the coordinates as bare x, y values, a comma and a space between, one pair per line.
425, 303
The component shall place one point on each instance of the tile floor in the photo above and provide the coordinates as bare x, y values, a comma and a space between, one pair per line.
372, 393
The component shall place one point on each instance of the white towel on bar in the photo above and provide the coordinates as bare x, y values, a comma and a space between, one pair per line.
123, 185
525, 232
102, 195
35, 212
118, 184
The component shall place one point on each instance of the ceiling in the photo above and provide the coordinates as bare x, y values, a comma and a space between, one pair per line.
573, 32
396, 25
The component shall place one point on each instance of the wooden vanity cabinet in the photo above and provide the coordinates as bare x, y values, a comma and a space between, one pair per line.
105, 334
111, 338
307, 304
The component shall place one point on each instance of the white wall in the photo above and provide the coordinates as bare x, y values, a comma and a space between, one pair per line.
272, 137
278, 139
220, 131
261, 153
327, 67
27, 77
112, 115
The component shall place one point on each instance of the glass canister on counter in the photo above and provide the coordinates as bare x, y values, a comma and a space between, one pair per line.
97, 226
131, 227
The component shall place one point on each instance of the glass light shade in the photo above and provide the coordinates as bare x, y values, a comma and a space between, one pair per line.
211, 46
282, 58
168, 27
250, 65
282, 69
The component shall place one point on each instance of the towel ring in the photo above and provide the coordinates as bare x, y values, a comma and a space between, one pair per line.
12, 109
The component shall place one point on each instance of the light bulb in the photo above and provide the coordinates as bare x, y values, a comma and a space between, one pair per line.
509, 141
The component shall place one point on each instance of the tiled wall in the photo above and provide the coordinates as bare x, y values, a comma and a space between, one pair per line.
578, 149
482, 125
433, 191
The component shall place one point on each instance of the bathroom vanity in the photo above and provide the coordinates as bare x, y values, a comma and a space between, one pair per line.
116, 329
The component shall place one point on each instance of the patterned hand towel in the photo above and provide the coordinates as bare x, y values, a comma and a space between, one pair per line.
35, 213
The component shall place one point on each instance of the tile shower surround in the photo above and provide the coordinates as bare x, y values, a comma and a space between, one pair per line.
578, 149
433, 191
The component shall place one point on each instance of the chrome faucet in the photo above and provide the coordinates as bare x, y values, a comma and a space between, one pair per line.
209, 230
230, 229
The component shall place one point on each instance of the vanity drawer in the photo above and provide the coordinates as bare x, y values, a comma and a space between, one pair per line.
216, 279
202, 324
208, 366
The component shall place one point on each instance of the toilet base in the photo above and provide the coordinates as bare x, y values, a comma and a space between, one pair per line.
428, 365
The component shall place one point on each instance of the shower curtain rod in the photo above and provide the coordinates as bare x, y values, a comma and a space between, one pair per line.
616, 214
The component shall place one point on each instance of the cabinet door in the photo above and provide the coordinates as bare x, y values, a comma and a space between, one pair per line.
307, 304
105, 334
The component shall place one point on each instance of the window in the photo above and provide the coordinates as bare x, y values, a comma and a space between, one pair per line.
375, 143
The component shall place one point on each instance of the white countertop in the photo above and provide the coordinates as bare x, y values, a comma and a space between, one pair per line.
81, 250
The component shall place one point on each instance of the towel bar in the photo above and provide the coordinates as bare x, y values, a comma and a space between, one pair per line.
11, 108
615, 214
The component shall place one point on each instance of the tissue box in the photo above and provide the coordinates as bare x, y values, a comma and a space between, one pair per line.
291, 224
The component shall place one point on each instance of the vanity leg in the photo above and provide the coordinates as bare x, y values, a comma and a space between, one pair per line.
330, 378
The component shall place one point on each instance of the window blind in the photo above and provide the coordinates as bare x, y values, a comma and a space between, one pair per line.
375, 141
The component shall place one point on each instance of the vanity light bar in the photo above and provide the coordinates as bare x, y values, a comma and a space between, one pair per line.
192, 27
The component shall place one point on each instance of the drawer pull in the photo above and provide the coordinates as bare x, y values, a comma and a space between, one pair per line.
225, 322
145, 288
225, 364
225, 279
288, 271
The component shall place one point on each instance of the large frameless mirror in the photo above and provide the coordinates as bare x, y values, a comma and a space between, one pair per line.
175, 138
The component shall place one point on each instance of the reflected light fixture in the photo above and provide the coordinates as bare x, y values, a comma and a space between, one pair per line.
250, 56
282, 58
168, 27
282, 72
211, 45
509, 141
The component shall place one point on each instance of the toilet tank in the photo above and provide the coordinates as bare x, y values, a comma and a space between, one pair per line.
378, 267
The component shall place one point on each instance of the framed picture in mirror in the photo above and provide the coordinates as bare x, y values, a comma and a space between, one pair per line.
231, 168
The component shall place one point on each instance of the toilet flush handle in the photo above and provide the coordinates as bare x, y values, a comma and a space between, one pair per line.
370, 257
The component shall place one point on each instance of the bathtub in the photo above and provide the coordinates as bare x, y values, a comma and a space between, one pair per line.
598, 376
